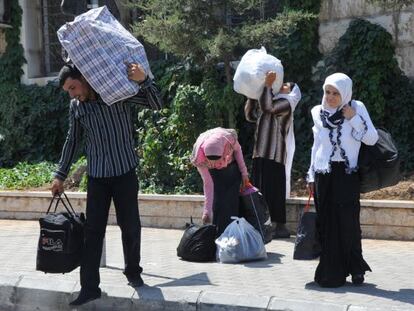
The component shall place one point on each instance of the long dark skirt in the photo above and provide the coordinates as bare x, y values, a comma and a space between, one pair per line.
337, 204
270, 177
226, 195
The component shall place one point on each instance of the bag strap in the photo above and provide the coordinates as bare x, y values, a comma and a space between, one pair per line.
51, 202
69, 209
307, 206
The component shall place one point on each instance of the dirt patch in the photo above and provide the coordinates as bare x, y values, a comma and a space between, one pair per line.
404, 190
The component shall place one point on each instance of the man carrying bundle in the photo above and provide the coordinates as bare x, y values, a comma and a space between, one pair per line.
112, 160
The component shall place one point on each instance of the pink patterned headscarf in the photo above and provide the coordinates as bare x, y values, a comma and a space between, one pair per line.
213, 143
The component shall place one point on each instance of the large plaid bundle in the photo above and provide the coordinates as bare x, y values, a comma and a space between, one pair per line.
99, 46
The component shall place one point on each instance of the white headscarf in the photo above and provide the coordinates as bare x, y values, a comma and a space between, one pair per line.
343, 84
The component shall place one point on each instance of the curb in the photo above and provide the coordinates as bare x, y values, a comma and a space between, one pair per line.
26, 293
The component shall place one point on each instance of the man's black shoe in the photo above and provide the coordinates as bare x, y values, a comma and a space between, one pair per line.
358, 279
135, 281
85, 297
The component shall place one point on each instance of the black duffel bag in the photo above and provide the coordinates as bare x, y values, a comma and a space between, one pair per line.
61, 239
379, 165
198, 243
307, 244
254, 209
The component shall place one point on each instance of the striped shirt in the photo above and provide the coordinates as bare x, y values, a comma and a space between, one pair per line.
273, 119
108, 131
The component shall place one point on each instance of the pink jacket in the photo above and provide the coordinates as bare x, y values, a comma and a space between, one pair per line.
219, 141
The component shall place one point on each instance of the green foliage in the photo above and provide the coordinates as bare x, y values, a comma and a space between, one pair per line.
312, 6
33, 120
33, 123
12, 60
199, 30
292, 37
200, 36
166, 140
24, 175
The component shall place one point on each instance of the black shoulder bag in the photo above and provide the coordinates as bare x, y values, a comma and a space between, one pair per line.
379, 165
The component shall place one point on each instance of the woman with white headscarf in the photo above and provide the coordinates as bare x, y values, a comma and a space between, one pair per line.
340, 125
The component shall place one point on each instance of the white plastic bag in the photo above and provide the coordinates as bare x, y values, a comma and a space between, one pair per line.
99, 46
251, 72
240, 242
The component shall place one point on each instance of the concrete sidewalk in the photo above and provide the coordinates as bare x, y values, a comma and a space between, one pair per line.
279, 283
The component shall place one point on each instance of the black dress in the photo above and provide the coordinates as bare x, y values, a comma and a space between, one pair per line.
337, 204
226, 195
270, 177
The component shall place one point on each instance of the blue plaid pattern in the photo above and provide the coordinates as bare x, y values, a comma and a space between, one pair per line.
99, 46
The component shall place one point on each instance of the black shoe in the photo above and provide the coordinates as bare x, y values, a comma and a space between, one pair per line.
135, 281
358, 279
85, 297
281, 232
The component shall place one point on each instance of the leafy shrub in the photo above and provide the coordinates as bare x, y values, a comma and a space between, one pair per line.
166, 140
33, 123
24, 175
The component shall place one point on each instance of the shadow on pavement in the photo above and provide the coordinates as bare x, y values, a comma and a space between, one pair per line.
195, 279
404, 294
272, 259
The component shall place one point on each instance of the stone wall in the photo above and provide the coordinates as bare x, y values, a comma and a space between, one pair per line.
336, 15
379, 219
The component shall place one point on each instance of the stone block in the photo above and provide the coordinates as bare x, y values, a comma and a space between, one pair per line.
278, 304
166, 299
225, 301
333, 10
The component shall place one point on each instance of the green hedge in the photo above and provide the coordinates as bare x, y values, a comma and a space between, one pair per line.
33, 123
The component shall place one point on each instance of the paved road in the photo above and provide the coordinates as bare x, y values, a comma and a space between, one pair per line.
390, 285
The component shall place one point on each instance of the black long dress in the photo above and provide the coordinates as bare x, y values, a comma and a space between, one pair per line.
270, 177
226, 195
337, 204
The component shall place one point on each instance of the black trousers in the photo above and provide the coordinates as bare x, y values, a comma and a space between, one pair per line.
337, 205
124, 191
226, 195
270, 177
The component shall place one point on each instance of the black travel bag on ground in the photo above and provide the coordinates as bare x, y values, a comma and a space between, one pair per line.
198, 243
254, 209
379, 165
307, 244
61, 238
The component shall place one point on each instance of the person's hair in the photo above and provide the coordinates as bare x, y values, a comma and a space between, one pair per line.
213, 157
68, 71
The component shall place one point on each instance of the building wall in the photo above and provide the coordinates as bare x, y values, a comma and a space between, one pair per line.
336, 15
3, 43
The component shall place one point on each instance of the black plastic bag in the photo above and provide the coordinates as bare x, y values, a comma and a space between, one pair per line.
61, 239
379, 165
198, 243
307, 244
254, 209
